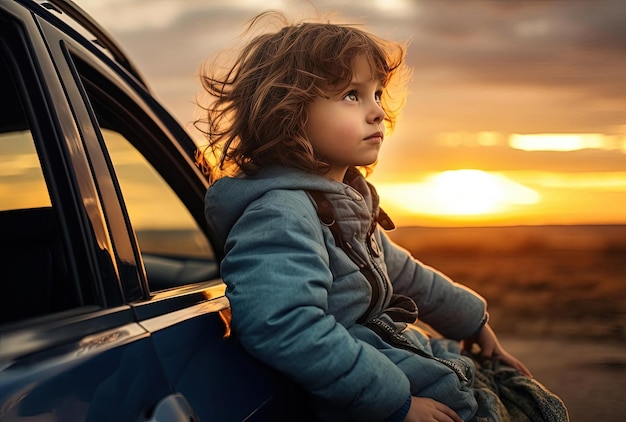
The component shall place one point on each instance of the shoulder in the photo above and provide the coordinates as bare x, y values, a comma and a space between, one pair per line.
285, 201
281, 212
280, 218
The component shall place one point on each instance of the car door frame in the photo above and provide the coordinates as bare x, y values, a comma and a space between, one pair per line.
199, 307
43, 360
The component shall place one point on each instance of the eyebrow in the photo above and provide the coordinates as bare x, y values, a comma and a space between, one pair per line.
362, 83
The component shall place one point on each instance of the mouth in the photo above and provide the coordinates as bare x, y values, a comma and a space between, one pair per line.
374, 137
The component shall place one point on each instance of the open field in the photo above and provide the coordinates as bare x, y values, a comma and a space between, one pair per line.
556, 297
538, 280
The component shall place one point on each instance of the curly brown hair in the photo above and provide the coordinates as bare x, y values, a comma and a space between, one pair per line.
258, 106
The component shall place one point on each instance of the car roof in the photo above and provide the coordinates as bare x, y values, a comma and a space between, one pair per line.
80, 26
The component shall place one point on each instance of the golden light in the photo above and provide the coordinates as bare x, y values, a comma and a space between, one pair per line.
466, 192
561, 141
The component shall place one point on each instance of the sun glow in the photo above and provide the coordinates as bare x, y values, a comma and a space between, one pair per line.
466, 192
564, 141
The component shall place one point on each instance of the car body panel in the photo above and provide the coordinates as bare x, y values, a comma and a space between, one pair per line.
128, 346
103, 377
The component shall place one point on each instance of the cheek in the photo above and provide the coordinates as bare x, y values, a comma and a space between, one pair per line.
329, 135
329, 128
344, 128
319, 125
333, 122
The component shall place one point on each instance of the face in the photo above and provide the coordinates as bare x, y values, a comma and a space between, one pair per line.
347, 128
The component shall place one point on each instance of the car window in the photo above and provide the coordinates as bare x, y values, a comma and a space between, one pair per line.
174, 248
162, 223
22, 184
36, 279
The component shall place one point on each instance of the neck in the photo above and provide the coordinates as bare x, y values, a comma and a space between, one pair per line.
336, 174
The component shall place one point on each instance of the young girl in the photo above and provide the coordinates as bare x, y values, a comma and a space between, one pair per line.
317, 290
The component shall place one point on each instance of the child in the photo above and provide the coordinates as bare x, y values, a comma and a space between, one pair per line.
317, 290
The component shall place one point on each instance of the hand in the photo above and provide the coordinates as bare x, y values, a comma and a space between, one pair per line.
424, 409
490, 348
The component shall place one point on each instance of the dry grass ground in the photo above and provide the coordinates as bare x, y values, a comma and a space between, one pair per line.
557, 297
538, 280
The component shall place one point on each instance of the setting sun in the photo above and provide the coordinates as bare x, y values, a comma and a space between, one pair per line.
486, 137
466, 192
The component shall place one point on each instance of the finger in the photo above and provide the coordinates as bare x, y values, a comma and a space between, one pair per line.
451, 414
515, 363
488, 351
523, 369
467, 345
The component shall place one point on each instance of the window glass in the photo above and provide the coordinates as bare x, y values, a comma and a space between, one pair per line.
174, 248
161, 221
21, 181
35, 279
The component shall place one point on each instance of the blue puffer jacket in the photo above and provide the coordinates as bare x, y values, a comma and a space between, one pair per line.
296, 297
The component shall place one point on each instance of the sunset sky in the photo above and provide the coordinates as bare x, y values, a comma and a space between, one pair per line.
516, 112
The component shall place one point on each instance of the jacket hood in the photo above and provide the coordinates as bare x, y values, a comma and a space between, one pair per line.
228, 197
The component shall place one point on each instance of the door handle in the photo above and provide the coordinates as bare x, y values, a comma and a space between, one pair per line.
173, 408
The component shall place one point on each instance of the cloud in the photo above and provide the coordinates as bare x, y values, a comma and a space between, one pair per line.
577, 45
120, 16
522, 66
135, 16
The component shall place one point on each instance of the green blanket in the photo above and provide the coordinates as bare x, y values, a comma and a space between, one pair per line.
504, 394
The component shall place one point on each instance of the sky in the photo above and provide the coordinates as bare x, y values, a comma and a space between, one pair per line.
516, 111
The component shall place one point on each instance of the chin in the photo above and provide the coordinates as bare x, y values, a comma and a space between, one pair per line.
372, 160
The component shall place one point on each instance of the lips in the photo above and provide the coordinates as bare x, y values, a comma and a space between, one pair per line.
376, 136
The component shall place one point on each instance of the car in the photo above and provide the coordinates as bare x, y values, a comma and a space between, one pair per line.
112, 307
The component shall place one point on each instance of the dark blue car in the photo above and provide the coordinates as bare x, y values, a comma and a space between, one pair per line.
111, 303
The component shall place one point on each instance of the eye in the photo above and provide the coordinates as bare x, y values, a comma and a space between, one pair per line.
351, 96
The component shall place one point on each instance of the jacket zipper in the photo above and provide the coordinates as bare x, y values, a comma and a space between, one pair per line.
397, 339
383, 279
367, 271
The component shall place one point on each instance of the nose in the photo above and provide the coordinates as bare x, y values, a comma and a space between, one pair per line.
376, 114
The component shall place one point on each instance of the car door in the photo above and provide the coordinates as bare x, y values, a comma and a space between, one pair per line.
153, 199
71, 348
112, 305
185, 309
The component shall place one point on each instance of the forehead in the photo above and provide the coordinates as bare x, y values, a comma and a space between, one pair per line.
363, 70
